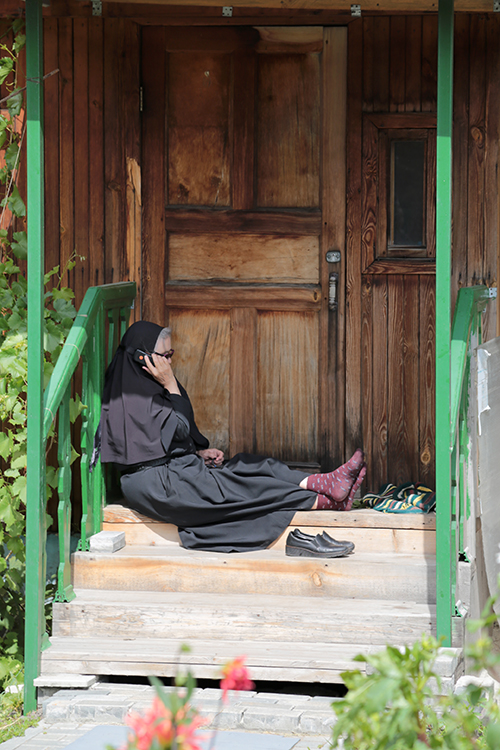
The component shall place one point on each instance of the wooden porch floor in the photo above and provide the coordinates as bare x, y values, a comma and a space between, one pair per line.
296, 619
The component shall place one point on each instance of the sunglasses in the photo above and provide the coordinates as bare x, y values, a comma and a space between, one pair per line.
167, 355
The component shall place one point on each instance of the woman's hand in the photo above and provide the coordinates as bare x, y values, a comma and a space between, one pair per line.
212, 456
161, 370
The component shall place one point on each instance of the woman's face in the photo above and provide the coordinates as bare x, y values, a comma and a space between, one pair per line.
163, 346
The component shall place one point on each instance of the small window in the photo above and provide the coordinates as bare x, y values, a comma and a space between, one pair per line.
408, 195
399, 161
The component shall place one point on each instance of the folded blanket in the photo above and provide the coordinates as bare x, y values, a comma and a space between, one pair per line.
407, 498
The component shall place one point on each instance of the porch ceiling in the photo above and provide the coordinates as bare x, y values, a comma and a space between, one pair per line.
407, 6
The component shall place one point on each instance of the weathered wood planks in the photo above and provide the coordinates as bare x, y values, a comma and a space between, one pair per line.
362, 575
257, 618
98, 156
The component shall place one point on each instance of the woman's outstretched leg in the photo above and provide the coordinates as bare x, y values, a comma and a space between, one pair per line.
339, 485
325, 503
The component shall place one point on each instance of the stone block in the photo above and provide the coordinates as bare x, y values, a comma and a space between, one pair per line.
270, 719
60, 681
107, 541
316, 722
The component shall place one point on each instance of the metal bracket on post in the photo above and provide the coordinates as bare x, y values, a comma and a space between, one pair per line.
356, 11
97, 7
496, 6
227, 11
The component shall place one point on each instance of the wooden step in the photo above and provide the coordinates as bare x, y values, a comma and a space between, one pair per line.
241, 617
300, 662
360, 575
370, 530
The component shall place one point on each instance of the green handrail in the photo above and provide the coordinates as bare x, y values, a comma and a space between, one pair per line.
466, 334
99, 324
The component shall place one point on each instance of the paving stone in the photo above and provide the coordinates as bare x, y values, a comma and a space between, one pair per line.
270, 719
315, 722
230, 718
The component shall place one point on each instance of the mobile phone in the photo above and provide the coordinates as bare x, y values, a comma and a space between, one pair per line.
140, 356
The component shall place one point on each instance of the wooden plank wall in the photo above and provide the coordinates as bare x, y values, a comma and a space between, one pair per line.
93, 203
390, 357
92, 150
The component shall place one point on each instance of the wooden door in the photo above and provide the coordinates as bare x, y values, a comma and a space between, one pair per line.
243, 174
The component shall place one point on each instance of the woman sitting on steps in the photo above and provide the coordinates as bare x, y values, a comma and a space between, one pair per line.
169, 473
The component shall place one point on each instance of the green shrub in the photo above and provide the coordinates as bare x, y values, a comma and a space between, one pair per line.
59, 315
397, 707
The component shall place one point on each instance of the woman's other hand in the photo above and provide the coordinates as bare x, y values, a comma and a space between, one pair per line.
212, 456
161, 369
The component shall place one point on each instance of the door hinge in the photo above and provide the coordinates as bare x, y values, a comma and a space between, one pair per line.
96, 8
141, 99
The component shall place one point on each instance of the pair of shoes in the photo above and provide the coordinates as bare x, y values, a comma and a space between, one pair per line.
299, 544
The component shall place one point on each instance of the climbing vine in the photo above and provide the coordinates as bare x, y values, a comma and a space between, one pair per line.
58, 318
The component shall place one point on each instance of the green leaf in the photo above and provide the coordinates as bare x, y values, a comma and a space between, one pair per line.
20, 246
64, 293
74, 455
6, 66
75, 408
16, 203
51, 476
493, 736
11, 155
19, 43
18, 24
49, 275
5, 445
19, 487
15, 104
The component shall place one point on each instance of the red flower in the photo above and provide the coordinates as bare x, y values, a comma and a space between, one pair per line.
235, 676
157, 726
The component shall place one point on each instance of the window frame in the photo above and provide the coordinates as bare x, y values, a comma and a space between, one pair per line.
379, 130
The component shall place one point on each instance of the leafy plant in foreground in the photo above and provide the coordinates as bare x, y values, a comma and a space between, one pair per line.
397, 707
59, 315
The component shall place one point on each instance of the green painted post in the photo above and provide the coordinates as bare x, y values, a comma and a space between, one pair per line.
445, 604
35, 499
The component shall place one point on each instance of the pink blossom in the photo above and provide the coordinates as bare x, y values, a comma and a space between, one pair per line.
158, 725
235, 676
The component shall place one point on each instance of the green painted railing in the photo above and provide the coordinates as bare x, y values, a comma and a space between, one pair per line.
100, 323
455, 508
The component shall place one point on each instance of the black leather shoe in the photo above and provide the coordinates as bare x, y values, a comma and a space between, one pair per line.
325, 539
331, 540
309, 546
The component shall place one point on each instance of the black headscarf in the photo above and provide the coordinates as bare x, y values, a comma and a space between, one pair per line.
136, 423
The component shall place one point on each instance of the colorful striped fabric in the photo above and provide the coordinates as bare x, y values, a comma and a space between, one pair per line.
407, 498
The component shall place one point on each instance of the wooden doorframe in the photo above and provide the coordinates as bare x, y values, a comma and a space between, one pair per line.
332, 366
332, 343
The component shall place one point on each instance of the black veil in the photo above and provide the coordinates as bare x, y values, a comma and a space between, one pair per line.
137, 419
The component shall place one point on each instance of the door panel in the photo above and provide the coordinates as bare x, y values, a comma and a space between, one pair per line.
288, 127
287, 408
198, 120
244, 257
237, 130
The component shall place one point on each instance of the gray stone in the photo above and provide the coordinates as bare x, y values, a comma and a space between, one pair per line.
316, 722
448, 661
65, 681
270, 719
107, 541
230, 718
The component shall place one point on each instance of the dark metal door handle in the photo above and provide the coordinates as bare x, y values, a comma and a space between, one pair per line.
332, 291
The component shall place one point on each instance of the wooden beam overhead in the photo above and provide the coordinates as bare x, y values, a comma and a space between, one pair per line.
407, 6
